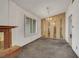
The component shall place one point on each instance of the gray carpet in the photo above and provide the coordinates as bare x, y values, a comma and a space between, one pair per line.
47, 48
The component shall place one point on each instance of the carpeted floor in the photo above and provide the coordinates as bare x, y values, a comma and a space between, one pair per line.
47, 48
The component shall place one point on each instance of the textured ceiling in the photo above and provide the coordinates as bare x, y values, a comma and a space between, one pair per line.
38, 7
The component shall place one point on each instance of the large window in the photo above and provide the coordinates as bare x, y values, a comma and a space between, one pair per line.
29, 26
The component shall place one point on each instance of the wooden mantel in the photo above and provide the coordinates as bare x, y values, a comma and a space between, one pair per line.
7, 27
7, 35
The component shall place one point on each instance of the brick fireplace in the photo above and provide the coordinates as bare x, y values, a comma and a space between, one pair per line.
6, 36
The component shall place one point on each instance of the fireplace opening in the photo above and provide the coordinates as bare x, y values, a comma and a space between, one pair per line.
1, 40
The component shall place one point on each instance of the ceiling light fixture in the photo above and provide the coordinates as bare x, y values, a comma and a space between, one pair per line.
48, 18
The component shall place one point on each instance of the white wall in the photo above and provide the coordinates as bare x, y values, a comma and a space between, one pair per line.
11, 14
3, 12
74, 10
17, 19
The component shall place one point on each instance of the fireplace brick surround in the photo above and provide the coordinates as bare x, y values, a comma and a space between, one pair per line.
7, 35
9, 51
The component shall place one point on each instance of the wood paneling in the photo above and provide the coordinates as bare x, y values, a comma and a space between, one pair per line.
56, 31
44, 26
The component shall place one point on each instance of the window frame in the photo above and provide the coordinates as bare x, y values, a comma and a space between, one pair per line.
32, 28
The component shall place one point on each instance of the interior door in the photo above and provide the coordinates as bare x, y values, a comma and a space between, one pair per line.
70, 29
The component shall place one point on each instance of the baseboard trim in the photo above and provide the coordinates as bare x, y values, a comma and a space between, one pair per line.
31, 42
